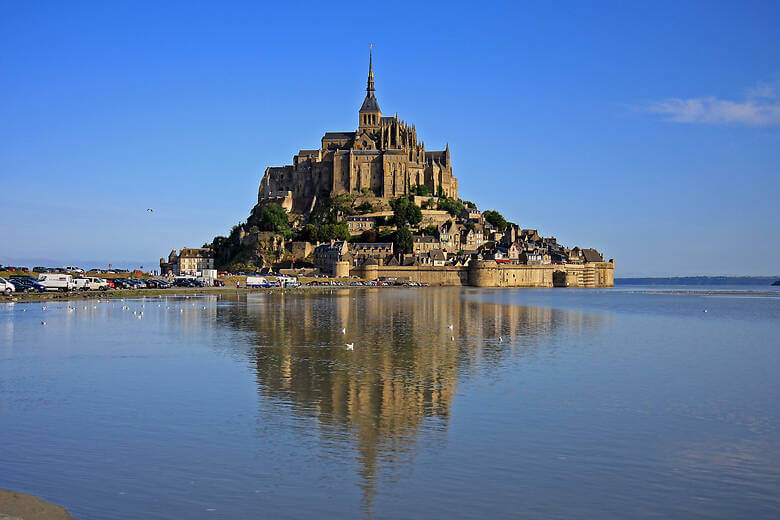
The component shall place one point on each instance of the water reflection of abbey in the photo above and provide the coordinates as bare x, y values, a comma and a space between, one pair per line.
402, 376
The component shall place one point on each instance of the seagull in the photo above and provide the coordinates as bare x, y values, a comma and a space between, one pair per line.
450, 326
500, 339
150, 210
43, 308
705, 310
452, 338
24, 310
350, 346
43, 323
139, 316
343, 330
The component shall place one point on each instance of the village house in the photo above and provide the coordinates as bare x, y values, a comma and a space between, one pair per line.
438, 257
424, 244
328, 254
189, 261
357, 225
379, 251
448, 236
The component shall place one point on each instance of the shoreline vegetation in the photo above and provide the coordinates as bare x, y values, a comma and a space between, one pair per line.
22, 506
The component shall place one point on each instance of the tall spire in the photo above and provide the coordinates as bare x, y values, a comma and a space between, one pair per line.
370, 85
370, 104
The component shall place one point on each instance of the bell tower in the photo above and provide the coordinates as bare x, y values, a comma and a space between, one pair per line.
369, 117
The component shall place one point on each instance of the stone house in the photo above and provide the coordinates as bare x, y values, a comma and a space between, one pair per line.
449, 238
356, 225
329, 254
591, 255
438, 257
376, 250
424, 244
189, 261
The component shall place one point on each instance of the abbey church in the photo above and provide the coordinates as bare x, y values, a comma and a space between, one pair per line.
382, 158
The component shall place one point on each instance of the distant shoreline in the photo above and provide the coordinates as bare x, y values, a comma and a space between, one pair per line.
697, 280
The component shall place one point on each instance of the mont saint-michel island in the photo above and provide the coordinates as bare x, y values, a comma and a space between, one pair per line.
374, 203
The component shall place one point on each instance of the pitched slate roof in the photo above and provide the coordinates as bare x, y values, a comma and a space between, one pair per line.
591, 255
370, 104
338, 135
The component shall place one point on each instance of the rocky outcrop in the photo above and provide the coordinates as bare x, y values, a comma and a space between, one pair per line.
21, 506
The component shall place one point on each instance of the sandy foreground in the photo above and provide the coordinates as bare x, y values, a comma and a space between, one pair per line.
21, 506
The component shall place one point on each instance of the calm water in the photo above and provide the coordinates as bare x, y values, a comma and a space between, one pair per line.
537, 404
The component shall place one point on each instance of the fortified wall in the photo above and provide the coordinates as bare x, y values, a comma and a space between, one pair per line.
488, 273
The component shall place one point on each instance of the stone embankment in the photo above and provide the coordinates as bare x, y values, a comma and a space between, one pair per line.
488, 273
21, 506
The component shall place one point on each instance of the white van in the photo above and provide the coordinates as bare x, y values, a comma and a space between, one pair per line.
89, 283
56, 281
288, 281
256, 281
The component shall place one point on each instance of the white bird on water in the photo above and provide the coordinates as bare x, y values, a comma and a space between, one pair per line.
43, 323
343, 330
451, 326
43, 308
350, 346
500, 339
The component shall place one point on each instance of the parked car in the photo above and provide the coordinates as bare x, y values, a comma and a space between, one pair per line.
120, 283
73, 269
7, 287
90, 283
26, 285
139, 284
56, 281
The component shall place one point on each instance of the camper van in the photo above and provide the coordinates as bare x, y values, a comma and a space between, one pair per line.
256, 281
90, 283
288, 281
56, 281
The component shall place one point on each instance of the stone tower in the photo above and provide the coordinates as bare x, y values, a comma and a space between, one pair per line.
370, 115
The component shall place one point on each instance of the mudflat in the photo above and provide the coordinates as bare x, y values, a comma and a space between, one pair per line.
21, 506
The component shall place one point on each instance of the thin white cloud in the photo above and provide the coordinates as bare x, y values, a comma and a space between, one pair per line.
761, 107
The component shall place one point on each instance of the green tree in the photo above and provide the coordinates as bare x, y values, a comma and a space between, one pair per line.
369, 235
403, 240
405, 212
274, 218
432, 231
420, 189
451, 206
495, 218
365, 207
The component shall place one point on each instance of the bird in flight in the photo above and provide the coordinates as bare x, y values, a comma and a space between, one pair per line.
150, 210
350, 346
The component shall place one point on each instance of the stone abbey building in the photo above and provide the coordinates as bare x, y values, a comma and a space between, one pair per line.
382, 158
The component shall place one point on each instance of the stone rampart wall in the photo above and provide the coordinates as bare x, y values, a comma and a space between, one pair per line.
488, 273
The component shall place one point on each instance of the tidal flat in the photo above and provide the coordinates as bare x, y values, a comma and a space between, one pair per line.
454, 403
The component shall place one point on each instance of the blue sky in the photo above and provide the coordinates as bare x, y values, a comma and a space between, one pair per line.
651, 132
